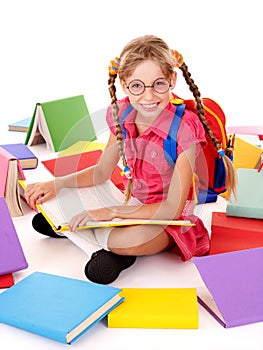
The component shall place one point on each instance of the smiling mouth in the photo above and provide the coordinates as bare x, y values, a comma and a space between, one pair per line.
151, 106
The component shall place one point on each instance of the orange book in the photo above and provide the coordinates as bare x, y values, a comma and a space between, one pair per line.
72, 163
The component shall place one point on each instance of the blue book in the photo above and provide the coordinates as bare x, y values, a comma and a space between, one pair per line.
27, 158
21, 125
57, 307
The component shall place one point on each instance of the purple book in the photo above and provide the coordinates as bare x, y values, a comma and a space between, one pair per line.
233, 286
12, 257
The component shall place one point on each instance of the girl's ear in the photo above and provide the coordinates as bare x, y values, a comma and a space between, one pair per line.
123, 86
173, 80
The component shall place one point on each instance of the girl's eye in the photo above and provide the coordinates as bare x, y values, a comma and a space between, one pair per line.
161, 82
136, 86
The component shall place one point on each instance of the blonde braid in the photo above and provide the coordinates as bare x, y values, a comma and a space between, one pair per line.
119, 137
231, 179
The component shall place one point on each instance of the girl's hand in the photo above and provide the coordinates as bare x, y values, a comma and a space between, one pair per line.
39, 192
102, 214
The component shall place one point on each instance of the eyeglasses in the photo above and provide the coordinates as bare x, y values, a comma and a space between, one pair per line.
137, 87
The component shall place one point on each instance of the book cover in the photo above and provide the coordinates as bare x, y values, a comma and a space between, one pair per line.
12, 257
246, 155
20, 125
229, 233
81, 147
248, 201
58, 211
61, 123
156, 308
6, 281
11, 173
27, 158
247, 130
72, 163
66, 165
56, 307
232, 286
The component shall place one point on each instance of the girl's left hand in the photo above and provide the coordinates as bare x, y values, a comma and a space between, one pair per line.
102, 214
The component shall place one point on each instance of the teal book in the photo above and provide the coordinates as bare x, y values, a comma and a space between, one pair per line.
57, 307
60, 124
248, 201
20, 125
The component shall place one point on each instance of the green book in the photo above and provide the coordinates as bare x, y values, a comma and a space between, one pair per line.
60, 123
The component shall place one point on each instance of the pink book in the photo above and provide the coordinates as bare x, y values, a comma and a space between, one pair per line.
246, 130
5, 158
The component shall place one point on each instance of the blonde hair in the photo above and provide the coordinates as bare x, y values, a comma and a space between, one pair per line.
154, 48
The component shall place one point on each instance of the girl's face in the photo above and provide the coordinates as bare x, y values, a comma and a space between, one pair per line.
152, 89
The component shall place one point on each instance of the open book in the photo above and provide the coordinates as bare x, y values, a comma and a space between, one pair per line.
71, 201
60, 123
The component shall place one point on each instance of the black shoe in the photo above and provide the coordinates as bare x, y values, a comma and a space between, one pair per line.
104, 266
41, 225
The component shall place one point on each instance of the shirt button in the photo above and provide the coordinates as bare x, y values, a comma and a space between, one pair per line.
153, 154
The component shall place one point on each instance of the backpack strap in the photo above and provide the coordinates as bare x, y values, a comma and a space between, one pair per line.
124, 115
170, 149
170, 144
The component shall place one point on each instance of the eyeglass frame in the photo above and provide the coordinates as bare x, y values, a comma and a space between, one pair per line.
148, 86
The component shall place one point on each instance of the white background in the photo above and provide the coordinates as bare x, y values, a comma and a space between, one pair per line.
52, 49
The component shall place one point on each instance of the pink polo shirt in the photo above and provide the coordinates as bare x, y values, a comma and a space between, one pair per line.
145, 153
151, 173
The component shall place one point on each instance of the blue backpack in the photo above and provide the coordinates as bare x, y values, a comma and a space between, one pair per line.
211, 175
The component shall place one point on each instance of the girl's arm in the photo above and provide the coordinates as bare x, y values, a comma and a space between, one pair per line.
40, 192
170, 209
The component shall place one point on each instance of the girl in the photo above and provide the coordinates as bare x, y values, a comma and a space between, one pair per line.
147, 75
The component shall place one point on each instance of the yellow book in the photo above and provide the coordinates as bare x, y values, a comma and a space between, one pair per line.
81, 147
246, 155
69, 202
156, 308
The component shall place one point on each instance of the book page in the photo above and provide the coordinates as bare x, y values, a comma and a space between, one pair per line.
206, 297
40, 132
12, 189
72, 201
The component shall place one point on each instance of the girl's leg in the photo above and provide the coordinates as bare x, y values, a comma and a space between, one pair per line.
139, 240
124, 245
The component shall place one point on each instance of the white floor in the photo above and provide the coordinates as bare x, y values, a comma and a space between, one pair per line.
165, 270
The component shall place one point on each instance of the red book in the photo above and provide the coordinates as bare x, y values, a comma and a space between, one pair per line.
229, 233
70, 164
6, 281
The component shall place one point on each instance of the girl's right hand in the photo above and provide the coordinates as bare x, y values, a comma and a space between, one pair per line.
39, 192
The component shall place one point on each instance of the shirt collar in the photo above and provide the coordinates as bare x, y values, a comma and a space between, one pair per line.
161, 125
